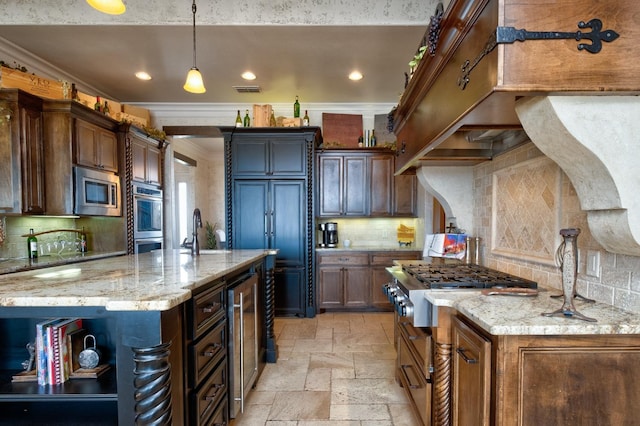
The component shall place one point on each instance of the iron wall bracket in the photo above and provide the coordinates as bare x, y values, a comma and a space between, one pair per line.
504, 35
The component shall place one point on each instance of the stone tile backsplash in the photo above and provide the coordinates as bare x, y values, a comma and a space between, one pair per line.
619, 280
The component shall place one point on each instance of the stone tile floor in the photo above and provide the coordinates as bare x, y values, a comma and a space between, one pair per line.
336, 369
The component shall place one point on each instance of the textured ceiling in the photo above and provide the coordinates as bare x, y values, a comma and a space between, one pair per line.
305, 48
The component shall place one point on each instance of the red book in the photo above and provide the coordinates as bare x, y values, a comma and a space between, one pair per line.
41, 351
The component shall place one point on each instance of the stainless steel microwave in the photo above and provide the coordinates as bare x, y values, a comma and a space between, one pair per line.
97, 193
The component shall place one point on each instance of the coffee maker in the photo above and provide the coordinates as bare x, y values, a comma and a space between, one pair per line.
328, 235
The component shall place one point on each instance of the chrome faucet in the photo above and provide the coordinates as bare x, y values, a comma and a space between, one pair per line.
194, 245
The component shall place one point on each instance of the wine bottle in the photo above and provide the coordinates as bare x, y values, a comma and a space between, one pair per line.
74, 93
296, 109
83, 242
238, 120
247, 120
98, 105
361, 140
272, 120
105, 108
32, 245
372, 141
305, 119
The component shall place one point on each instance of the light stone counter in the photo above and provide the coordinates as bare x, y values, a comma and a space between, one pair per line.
155, 281
517, 315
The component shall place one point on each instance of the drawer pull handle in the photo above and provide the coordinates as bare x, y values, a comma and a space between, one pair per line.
213, 396
465, 357
211, 308
212, 350
405, 369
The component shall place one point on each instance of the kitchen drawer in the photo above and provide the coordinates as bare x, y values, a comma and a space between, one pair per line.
419, 344
205, 309
220, 416
207, 353
387, 258
205, 401
417, 386
343, 259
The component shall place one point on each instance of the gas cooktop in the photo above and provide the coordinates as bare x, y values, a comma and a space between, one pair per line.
464, 276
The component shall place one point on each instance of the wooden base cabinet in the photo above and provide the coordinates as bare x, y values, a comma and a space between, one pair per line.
355, 279
471, 376
506, 380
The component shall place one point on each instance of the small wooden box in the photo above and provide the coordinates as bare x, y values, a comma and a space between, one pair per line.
292, 122
261, 115
137, 111
39, 86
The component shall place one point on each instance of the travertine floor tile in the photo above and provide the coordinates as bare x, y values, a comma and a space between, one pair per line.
336, 369
366, 391
359, 412
313, 345
402, 415
318, 379
300, 405
331, 360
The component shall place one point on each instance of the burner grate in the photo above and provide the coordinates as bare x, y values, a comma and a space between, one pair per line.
465, 276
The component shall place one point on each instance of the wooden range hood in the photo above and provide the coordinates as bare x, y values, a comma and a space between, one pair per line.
444, 109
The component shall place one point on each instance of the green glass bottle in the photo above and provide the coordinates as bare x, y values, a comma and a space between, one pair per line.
32, 245
247, 120
296, 109
98, 105
239, 120
305, 119
372, 139
105, 109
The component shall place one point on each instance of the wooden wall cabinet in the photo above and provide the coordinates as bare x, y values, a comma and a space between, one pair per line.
72, 132
361, 183
146, 163
95, 146
21, 153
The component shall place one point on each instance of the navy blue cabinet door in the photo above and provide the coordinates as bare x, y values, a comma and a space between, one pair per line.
272, 214
255, 156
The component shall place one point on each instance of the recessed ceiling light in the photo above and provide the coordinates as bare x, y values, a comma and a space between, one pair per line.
143, 75
248, 75
355, 76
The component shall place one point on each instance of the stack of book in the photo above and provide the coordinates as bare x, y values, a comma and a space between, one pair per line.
55, 341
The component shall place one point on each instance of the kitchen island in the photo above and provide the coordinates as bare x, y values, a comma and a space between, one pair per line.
159, 321
499, 361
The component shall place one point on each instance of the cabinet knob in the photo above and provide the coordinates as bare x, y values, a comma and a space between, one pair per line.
212, 350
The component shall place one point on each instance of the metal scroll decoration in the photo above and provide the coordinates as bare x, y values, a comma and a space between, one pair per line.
504, 35
567, 256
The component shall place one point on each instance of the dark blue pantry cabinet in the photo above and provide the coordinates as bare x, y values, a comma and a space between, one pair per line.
269, 204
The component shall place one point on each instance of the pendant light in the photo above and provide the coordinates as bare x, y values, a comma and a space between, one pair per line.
194, 83
112, 7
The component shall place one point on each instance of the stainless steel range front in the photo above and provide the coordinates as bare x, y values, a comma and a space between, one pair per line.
410, 282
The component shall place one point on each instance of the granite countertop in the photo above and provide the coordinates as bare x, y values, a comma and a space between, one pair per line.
9, 266
366, 249
153, 281
518, 315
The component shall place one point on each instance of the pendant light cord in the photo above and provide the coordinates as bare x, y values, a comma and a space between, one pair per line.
193, 9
